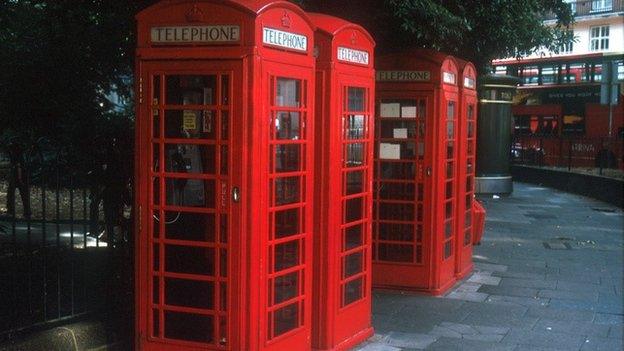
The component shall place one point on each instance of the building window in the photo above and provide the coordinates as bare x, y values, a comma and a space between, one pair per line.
599, 38
569, 46
602, 5
572, 5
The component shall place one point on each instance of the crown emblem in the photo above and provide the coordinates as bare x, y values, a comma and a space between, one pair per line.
195, 14
353, 38
286, 20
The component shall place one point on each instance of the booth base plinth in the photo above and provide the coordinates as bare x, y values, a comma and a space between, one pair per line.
465, 272
351, 342
493, 185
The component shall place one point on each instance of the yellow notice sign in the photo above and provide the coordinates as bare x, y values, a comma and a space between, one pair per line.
189, 120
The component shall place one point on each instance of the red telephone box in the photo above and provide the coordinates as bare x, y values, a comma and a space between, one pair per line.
467, 134
224, 176
345, 103
415, 186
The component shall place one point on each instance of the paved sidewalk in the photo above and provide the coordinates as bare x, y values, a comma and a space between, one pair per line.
548, 276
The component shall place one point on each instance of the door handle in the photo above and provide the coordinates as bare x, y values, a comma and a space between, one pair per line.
236, 194
428, 172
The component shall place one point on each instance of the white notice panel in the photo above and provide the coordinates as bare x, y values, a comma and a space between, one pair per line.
408, 111
399, 133
390, 151
390, 110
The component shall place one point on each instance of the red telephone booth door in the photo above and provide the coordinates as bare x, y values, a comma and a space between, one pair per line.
403, 189
447, 182
466, 169
188, 143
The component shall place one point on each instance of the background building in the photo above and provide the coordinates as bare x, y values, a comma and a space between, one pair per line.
560, 93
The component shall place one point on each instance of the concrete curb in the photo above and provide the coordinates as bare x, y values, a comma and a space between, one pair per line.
601, 188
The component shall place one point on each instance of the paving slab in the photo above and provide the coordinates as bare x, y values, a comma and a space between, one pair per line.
454, 344
579, 328
518, 300
509, 291
608, 318
485, 279
378, 346
467, 296
616, 332
544, 339
490, 267
574, 295
529, 283
602, 344
410, 340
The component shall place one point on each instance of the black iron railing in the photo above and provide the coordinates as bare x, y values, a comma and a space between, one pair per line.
570, 153
59, 258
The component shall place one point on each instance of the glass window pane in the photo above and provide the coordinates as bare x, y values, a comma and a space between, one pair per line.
156, 91
451, 110
285, 319
189, 293
398, 212
287, 126
190, 124
353, 237
190, 226
190, 192
448, 249
397, 191
288, 92
450, 129
354, 209
356, 99
448, 229
225, 89
355, 127
187, 158
396, 170
225, 125
396, 232
287, 223
353, 264
189, 260
354, 155
395, 252
449, 190
353, 291
286, 255
287, 158
355, 183
191, 90
287, 190
286, 287
189, 327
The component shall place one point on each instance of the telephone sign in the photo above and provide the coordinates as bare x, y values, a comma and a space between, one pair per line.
195, 34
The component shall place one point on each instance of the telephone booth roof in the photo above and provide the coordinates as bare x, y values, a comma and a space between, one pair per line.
420, 60
242, 14
468, 73
335, 25
253, 7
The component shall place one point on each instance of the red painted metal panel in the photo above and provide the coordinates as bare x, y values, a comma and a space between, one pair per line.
225, 161
416, 158
345, 105
467, 133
